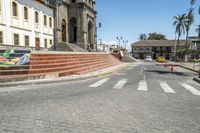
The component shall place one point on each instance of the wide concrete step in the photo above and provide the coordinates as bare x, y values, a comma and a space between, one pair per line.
43, 65
55, 58
40, 62
69, 63
64, 68
52, 56
48, 69
17, 67
80, 70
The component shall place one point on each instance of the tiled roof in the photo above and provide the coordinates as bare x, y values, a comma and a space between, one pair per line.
166, 43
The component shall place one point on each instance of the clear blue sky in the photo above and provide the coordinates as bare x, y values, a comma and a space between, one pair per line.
129, 18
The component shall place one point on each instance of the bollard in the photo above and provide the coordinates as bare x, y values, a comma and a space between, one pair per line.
166, 65
172, 69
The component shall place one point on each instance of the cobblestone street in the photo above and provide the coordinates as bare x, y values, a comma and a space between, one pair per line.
111, 104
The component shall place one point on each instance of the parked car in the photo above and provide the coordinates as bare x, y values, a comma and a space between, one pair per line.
148, 59
161, 59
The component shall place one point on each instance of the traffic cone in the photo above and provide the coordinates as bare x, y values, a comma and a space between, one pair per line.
172, 69
166, 65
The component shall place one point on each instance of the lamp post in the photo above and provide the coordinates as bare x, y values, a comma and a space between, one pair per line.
125, 42
119, 39
99, 26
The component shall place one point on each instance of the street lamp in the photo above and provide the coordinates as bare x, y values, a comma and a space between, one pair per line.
125, 42
119, 39
99, 26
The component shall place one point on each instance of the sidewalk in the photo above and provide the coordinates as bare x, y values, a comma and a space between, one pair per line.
195, 67
190, 66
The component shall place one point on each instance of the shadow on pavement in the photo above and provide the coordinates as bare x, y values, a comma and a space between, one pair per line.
167, 72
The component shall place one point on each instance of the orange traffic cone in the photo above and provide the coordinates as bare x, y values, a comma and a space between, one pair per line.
172, 69
166, 65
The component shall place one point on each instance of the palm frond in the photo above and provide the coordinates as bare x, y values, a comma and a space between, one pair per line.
192, 2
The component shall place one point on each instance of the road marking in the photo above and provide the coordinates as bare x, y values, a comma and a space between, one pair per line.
99, 83
120, 84
144, 77
134, 65
166, 87
142, 85
191, 89
121, 74
142, 68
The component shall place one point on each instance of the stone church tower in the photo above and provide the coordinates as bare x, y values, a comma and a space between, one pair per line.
76, 23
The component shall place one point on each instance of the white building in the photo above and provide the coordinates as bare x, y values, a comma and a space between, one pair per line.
26, 23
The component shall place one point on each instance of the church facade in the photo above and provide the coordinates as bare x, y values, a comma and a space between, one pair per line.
76, 23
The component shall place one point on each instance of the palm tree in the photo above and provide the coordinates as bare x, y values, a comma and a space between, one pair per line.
180, 26
192, 2
142, 37
190, 20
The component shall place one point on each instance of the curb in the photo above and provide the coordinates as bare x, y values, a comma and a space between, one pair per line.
180, 66
64, 79
188, 68
112, 71
197, 80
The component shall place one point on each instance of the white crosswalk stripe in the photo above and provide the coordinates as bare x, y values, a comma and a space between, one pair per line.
191, 89
166, 87
120, 84
99, 83
142, 86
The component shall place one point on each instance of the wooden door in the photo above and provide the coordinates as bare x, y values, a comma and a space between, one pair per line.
37, 43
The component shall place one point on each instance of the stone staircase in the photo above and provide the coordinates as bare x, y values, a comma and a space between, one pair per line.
57, 65
68, 47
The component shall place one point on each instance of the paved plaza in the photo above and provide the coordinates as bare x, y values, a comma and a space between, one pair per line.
141, 98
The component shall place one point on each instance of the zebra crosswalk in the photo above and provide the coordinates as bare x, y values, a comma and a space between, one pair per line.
191, 89
120, 84
99, 83
166, 87
143, 86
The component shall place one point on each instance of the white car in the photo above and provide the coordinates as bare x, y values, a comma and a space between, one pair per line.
148, 59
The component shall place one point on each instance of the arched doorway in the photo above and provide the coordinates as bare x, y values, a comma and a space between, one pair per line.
90, 34
73, 30
64, 38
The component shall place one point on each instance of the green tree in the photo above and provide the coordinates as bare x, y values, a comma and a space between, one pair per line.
156, 36
142, 37
180, 23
